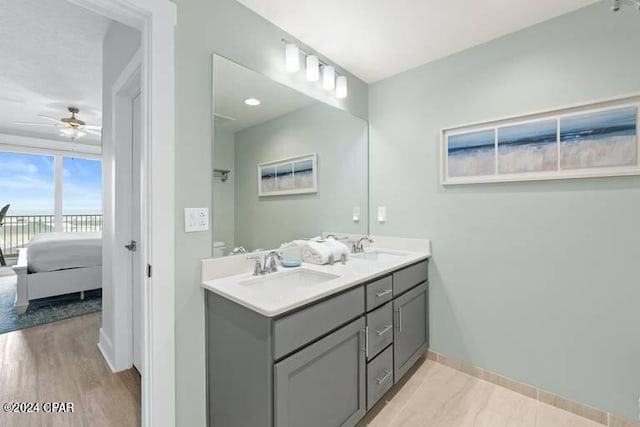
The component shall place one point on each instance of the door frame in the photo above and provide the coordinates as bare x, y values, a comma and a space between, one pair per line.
117, 315
156, 20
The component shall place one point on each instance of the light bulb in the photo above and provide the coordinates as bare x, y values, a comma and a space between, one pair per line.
292, 57
313, 68
72, 133
328, 77
341, 87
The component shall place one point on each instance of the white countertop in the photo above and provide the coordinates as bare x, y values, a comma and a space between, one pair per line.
269, 302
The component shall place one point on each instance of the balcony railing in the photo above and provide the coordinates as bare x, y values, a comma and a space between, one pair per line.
16, 231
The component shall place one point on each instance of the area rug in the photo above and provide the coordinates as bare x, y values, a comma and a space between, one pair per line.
44, 310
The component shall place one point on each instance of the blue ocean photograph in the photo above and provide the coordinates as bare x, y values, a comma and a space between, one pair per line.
599, 139
303, 174
268, 180
528, 147
471, 154
285, 177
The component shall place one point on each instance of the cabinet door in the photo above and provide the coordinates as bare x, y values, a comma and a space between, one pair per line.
323, 385
411, 332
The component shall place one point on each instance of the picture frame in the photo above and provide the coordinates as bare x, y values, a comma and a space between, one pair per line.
290, 176
596, 139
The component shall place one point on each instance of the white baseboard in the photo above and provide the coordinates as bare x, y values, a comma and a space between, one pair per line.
106, 348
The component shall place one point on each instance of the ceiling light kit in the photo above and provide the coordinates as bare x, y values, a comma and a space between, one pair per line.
71, 127
616, 4
313, 67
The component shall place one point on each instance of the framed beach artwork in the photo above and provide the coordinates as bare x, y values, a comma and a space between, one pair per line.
593, 140
295, 175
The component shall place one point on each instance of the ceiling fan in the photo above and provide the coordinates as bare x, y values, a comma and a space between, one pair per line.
71, 127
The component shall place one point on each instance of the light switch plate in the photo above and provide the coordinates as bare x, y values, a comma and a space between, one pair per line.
356, 213
196, 219
382, 214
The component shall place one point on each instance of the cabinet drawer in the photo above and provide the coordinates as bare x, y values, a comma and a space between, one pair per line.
379, 329
407, 278
308, 324
379, 292
379, 376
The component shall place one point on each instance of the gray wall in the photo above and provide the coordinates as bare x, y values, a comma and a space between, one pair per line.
341, 143
224, 192
229, 29
536, 281
118, 47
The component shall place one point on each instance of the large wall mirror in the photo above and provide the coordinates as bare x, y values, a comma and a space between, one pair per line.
286, 166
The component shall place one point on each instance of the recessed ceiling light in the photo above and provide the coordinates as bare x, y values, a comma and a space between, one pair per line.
252, 101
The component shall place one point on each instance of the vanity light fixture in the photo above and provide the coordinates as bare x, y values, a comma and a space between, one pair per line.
292, 57
328, 77
313, 68
341, 87
252, 102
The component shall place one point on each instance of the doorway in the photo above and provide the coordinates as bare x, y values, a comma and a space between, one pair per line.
156, 21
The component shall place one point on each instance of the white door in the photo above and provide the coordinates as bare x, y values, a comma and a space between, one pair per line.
136, 215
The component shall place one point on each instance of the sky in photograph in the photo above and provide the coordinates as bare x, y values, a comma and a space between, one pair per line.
27, 183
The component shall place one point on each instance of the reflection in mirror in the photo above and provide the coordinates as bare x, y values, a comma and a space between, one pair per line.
285, 168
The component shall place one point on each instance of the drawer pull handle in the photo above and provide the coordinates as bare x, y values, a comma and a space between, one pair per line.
387, 372
383, 293
366, 341
399, 319
385, 329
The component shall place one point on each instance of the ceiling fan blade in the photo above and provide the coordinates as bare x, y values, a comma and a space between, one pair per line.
60, 122
35, 124
94, 127
93, 132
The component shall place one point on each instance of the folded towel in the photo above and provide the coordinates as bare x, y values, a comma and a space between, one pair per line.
339, 248
317, 253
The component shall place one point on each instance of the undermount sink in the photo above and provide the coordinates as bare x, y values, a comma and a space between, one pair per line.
379, 255
289, 279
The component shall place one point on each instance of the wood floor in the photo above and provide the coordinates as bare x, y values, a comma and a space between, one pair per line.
60, 362
435, 395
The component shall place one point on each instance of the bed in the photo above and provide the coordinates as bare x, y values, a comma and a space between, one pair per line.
57, 264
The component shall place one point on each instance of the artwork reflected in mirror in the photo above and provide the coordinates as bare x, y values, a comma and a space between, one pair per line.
297, 167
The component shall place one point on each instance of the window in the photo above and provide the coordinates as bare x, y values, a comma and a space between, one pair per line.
82, 194
28, 183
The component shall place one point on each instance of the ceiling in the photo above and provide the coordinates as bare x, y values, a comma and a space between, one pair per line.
234, 83
375, 39
50, 58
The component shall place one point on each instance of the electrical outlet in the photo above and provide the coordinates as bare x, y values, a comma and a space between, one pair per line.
196, 219
382, 214
356, 213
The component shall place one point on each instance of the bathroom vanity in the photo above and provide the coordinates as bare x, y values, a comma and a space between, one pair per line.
320, 345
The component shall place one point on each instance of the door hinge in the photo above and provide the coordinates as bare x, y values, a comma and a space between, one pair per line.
149, 270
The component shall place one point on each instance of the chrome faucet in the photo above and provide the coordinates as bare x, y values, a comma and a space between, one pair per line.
269, 266
257, 267
358, 247
238, 250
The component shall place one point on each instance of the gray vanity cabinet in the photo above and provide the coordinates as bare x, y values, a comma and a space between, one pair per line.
324, 364
411, 332
325, 383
